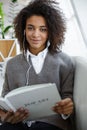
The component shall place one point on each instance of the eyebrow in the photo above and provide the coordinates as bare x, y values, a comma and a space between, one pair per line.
39, 26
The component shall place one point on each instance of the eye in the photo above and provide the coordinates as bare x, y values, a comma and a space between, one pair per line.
30, 28
43, 29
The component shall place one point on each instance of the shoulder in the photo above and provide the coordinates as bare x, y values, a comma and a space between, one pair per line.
18, 59
63, 57
64, 61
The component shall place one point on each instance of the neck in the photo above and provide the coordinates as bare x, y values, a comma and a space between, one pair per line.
36, 51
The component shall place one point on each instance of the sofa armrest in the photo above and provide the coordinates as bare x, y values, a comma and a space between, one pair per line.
80, 92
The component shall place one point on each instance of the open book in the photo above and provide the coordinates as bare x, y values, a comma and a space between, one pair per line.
39, 99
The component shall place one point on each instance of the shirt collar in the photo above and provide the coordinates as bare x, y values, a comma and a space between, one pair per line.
42, 53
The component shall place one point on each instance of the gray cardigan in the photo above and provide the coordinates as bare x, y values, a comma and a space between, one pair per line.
58, 68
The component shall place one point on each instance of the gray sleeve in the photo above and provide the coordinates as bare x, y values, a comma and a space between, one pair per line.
67, 79
5, 89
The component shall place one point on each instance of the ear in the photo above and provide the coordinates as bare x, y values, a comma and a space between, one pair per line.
24, 32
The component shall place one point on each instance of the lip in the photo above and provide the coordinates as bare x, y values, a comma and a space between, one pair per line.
35, 40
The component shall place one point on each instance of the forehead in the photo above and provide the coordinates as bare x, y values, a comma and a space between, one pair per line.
36, 20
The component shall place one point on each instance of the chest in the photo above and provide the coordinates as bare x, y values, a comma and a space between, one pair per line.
50, 73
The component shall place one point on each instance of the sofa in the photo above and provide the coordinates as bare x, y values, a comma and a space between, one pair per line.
80, 92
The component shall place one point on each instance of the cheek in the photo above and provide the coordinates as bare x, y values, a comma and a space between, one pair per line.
28, 36
45, 37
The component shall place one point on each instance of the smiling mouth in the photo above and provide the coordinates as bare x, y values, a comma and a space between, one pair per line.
35, 41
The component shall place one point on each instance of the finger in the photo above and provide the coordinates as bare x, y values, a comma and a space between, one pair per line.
62, 110
65, 101
20, 116
70, 105
22, 119
11, 116
10, 119
19, 119
68, 111
59, 107
8, 115
22, 112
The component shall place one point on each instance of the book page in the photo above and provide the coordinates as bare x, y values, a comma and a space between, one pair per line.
3, 105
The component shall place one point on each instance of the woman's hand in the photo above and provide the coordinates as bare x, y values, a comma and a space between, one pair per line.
14, 117
65, 106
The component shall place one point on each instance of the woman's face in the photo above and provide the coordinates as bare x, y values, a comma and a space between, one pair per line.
36, 33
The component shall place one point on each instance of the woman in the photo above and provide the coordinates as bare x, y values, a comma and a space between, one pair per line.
40, 29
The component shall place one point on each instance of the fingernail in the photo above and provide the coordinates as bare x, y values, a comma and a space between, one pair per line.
10, 111
26, 111
56, 104
21, 108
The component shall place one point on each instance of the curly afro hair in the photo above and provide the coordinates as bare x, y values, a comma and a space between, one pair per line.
54, 18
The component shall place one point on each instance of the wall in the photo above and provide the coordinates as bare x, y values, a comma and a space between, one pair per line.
74, 44
81, 9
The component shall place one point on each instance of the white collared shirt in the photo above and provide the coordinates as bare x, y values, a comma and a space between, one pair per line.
37, 60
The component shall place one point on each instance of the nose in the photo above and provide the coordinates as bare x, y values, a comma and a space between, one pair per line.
36, 33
